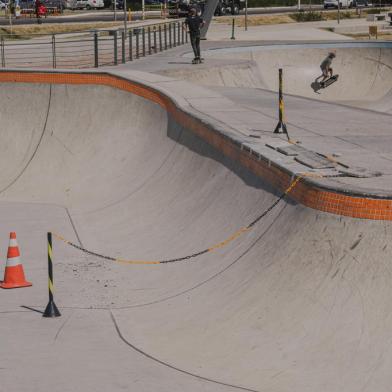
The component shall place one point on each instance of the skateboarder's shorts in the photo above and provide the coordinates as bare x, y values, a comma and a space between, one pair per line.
324, 71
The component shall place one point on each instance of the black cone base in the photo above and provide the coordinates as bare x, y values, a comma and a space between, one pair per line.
51, 310
281, 128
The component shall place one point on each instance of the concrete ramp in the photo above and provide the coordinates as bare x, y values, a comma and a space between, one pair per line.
365, 73
303, 302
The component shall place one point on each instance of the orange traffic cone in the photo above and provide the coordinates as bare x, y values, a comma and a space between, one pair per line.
14, 275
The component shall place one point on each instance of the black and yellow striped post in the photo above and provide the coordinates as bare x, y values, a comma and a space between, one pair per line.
281, 127
51, 309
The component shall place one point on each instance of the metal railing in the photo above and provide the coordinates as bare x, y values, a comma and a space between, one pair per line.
92, 48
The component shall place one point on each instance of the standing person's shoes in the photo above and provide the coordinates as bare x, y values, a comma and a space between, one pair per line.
198, 60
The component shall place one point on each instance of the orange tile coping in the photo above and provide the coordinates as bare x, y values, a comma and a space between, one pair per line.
306, 193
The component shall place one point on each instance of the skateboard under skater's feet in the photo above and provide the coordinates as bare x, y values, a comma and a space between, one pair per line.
329, 81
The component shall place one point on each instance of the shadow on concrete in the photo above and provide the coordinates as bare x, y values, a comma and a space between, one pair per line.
199, 146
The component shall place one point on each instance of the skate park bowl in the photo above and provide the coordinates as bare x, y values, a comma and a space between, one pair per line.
364, 69
302, 302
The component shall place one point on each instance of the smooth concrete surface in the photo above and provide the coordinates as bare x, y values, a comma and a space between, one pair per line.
350, 120
300, 303
365, 73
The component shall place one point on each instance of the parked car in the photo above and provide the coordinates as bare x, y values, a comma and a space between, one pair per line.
2, 5
89, 4
180, 8
119, 4
360, 3
335, 3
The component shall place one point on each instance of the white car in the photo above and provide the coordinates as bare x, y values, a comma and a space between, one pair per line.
89, 4
335, 3
2, 5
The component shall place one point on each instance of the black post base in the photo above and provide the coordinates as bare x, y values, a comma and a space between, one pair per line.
51, 310
281, 128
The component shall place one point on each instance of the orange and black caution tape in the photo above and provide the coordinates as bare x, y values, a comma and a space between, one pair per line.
219, 245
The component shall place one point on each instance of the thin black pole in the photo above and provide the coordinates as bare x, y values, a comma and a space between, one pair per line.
54, 51
155, 39
96, 56
137, 43
232, 29
149, 39
160, 37
115, 59
130, 46
2, 52
123, 47
170, 36
165, 35
144, 42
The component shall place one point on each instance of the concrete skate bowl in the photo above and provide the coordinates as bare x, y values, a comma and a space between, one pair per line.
365, 71
300, 303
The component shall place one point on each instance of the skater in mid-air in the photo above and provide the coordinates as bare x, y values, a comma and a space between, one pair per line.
194, 23
326, 68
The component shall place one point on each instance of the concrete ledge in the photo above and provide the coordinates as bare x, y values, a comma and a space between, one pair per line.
171, 95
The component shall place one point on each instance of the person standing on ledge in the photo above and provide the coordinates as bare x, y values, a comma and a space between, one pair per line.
194, 23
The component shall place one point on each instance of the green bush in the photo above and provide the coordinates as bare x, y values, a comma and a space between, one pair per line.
307, 16
346, 15
375, 11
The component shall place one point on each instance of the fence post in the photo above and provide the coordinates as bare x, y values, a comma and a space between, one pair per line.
123, 47
178, 34
115, 56
130, 46
174, 35
53, 51
170, 36
182, 33
96, 57
144, 42
160, 37
149, 39
2, 52
155, 39
165, 35
137, 43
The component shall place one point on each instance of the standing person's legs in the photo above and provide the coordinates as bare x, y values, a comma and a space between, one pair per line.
198, 46
193, 43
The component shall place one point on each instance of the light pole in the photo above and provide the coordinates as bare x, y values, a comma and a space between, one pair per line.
125, 19
246, 15
338, 11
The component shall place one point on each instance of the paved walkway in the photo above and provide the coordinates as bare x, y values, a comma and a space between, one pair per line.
292, 31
